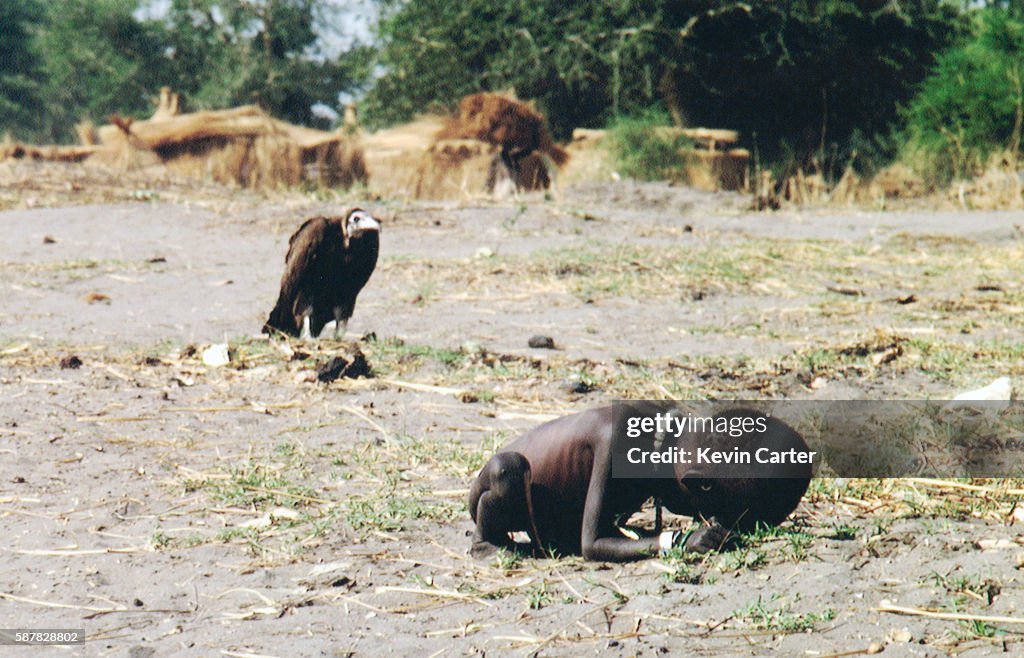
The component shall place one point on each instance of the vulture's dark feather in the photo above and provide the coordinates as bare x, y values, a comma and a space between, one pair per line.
329, 261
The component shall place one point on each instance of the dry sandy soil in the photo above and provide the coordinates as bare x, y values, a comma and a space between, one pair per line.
171, 508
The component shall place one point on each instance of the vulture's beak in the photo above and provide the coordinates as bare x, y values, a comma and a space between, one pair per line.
360, 222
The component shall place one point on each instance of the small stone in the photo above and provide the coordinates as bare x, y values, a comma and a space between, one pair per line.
900, 635
285, 513
541, 342
576, 386
875, 647
71, 362
49, 240
305, 377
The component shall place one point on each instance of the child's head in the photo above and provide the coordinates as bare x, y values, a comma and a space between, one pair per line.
742, 495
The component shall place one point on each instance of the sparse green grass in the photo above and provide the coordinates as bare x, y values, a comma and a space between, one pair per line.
394, 510
683, 572
983, 589
762, 615
538, 596
975, 628
843, 532
743, 558
254, 485
507, 560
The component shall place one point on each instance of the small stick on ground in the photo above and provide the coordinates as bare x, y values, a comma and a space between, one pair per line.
885, 606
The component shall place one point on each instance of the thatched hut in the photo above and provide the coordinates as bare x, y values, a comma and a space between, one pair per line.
243, 145
459, 156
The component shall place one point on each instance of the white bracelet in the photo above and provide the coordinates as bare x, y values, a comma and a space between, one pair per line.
665, 541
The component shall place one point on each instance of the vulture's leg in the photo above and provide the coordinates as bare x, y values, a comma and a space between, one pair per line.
317, 320
341, 316
305, 334
340, 327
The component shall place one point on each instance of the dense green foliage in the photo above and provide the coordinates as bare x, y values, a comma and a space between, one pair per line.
806, 77
65, 61
20, 99
584, 62
644, 153
809, 83
973, 104
809, 79
98, 61
230, 52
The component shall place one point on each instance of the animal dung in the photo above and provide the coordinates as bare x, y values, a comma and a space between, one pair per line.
349, 366
541, 342
216, 355
71, 362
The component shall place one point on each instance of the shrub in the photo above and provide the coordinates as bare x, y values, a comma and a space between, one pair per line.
972, 104
645, 153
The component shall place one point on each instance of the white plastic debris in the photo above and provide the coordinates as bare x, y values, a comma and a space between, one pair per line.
285, 514
216, 355
998, 391
260, 522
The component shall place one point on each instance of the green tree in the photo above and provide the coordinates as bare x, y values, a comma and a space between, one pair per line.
20, 101
98, 60
229, 52
972, 105
807, 77
813, 80
583, 62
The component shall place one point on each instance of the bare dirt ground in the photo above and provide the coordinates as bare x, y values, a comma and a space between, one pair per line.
171, 508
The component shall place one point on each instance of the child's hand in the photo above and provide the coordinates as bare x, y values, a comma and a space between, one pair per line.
710, 537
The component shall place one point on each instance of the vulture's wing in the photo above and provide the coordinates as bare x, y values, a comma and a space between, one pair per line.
300, 235
303, 249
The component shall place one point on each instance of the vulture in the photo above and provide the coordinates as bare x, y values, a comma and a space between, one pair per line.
329, 261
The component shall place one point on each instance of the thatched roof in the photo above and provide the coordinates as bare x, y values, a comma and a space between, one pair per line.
244, 145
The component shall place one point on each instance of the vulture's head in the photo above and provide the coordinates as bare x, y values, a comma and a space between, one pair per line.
358, 223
